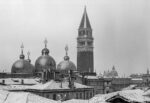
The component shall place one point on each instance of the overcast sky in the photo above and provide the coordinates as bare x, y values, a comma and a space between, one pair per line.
120, 30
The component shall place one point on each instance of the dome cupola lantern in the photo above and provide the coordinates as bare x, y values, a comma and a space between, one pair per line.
45, 51
28, 53
22, 55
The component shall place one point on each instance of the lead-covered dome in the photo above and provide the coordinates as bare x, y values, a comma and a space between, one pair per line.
66, 65
22, 65
45, 61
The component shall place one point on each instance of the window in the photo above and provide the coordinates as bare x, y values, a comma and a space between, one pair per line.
54, 97
87, 95
47, 95
82, 43
89, 43
80, 95
91, 95
77, 96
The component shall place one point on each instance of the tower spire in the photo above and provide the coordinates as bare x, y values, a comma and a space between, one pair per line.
85, 23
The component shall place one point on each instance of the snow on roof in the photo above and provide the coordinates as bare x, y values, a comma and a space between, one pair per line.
57, 85
137, 79
132, 95
79, 101
76, 101
51, 85
10, 81
130, 87
147, 92
21, 97
91, 77
3, 95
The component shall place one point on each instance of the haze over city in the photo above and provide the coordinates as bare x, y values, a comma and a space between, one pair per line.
120, 30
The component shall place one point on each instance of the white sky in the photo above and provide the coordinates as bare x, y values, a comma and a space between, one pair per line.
120, 29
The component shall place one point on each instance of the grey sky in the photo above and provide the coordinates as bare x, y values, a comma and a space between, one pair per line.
120, 29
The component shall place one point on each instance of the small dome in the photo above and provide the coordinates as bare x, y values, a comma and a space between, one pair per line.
66, 64
45, 51
113, 72
22, 66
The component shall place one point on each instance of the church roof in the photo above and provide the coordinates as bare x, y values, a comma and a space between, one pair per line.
85, 23
51, 85
130, 95
22, 97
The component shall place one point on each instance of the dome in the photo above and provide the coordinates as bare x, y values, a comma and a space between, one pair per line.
113, 72
45, 61
66, 64
22, 66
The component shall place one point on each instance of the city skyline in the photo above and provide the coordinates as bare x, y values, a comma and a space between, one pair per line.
120, 30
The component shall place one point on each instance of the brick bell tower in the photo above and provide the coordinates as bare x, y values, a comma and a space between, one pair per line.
85, 60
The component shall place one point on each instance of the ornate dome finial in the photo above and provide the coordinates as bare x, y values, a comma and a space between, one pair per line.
28, 53
22, 55
45, 51
66, 57
147, 70
45, 42
66, 49
22, 47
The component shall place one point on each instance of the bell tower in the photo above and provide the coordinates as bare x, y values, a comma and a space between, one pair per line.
85, 58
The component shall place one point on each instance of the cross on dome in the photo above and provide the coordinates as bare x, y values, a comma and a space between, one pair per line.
22, 47
45, 42
66, 49
28, 53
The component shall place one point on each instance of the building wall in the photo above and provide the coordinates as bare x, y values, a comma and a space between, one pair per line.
85, 61
66, 94
120, 83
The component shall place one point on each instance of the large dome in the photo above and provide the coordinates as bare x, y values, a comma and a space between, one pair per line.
22, 66
66, 64
45, 62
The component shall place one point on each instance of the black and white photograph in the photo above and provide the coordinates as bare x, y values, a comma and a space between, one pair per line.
74, 51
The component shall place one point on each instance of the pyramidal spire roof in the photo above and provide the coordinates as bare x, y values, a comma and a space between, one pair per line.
85, 23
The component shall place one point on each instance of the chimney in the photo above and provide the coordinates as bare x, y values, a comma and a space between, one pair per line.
3, 81
22, 81
71, 81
